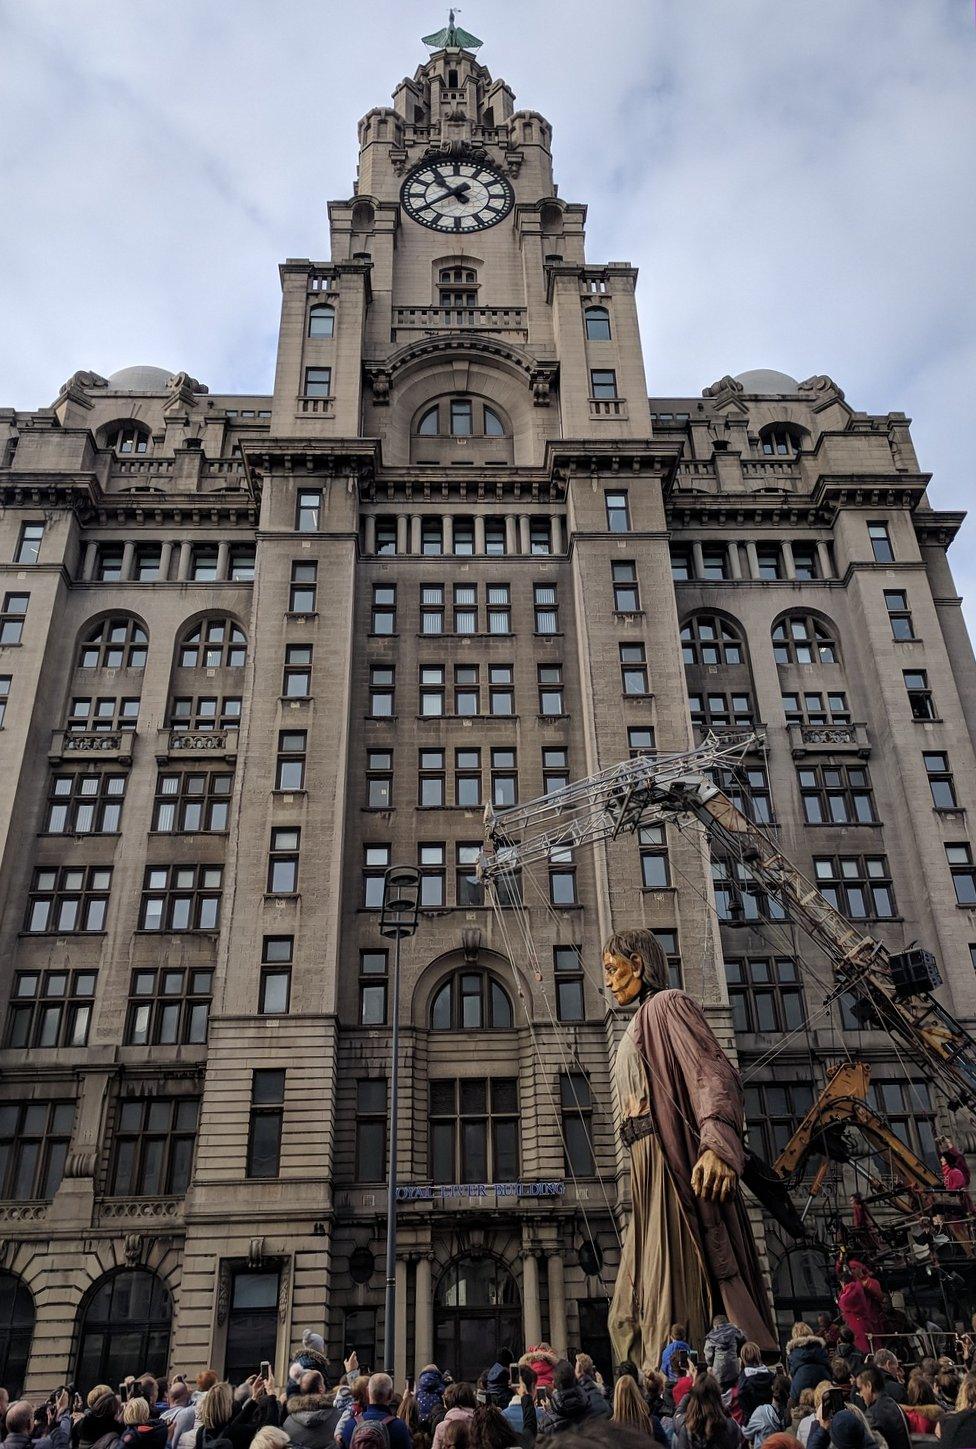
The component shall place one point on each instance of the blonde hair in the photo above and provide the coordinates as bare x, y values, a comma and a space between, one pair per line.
98, 1392
584, 1363
270, 1437
819, 1392
966, 1398
802, 1330
135, 1411
628, 1405
217, 1406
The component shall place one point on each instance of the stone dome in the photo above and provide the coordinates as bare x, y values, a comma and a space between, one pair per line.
140, 379
767, 382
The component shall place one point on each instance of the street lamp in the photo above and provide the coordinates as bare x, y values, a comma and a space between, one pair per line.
398, 919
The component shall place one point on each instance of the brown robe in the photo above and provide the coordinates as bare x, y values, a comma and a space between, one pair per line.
694, 1097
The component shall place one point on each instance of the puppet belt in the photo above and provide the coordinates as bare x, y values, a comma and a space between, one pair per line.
632, 1129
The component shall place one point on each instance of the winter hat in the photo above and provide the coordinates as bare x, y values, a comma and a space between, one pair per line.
846, 1430
313, 1341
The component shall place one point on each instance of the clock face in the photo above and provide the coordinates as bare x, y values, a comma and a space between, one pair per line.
456, 196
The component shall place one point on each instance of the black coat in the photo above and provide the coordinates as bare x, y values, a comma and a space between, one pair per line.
754, 1389
808, 1365
569, 1408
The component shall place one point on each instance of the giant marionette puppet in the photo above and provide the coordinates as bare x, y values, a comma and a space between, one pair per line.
689, 1251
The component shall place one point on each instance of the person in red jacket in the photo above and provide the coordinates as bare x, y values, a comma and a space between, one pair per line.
860, 1306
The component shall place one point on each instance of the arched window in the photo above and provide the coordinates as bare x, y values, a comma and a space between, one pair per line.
16, 1332
461, 417
471, 1001
801, 639
494, 427
125, 1320
803, 1281
709, 639
597, 324
457, 287
429, 425
118, 642
476, 1307
321, 322
780, 440
128, 437
213, 644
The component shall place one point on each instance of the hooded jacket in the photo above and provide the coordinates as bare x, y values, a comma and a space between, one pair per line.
668, 1367
145, 1436
807, 1361
312, 1420
449, 1418
722, 1346
598, 1401
763, 1421
498, 1382
569, 1408
755, 1388
101, 1419
542, 1363
922, 1418
430, 1395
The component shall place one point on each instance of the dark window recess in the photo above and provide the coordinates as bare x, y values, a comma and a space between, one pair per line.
266, 1119
577, 1123
880, 543
708, 639
68, 900
899, 614
50, 1009
85, 804
12, 617
941, 783
919, 695
801, 639
836, 795
119, 642
471, 1001
374, 970
626, 594
618, 512
765, 993
371, 1162
277, 953
181, 898
252, 1322
34, 1138
213, 644
474, 1130
152, 1152
168, 1006
304, 587
192, 801
960, 859
859, 886
290, 763
568, 970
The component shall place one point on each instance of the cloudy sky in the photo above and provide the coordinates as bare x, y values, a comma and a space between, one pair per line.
795, 180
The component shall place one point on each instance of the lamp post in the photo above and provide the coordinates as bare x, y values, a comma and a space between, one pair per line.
398, 919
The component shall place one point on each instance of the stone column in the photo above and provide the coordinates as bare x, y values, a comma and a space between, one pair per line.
447, 533
531, 1311
523, 533
753, 558
557, 534
415, 533
128, 554
696, 553
479, 533
165, 557
88, 567
400, 1323
789, 567
183, 568
557, 1303
370, 533
510, 546
403, 533
823, 554
223, 554
735, 562
423, 1315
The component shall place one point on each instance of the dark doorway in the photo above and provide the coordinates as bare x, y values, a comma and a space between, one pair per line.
359, 1333
477, 1311
126, 1320
252, 1323
595, 1335
16, 1332
803, 1284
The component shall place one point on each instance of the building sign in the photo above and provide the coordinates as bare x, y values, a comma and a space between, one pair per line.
444, 1190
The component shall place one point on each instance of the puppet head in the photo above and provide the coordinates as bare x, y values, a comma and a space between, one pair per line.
634, 966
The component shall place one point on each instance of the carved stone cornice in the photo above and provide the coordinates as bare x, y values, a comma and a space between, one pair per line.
938, 527
745, 510
538, 373
871, 490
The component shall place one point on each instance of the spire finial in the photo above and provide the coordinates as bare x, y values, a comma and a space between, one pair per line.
452, 37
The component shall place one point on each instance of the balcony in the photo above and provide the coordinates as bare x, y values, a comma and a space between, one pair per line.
460, 319
829, 739
608, 407
110, 745
138, 1210
196, 745
323, 407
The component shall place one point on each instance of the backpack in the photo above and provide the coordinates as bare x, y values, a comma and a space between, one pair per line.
371, 1434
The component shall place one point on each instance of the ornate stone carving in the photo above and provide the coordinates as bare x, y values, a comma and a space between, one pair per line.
183, 382
197, 740
223, 1291
82, 382
81, 1162
541, 380
821, 383
839, 734
471, 942
724, 384
255, 1253
132, 1249
457, 150
379, 381
83, 743
138, 1209
284, 1288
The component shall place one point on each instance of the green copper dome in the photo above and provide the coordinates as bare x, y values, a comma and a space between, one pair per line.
452, 37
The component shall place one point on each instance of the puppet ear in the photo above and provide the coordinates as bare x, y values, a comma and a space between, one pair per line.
639, 964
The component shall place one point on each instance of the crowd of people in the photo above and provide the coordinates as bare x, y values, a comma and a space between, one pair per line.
824, 1392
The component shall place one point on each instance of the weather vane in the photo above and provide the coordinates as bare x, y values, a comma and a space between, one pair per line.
452, 37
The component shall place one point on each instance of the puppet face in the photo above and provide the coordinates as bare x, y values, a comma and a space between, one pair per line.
624, 976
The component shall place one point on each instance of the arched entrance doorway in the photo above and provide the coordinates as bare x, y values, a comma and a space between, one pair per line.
477, 1311
16, 1332
803, 1283
124, 1321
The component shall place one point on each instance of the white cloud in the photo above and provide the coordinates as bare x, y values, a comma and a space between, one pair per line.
795, 182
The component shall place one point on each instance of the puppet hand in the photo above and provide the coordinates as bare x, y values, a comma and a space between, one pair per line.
713, 1179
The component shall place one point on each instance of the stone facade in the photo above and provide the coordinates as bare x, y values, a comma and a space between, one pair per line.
268, 579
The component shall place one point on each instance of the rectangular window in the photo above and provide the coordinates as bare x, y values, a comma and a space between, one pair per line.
188, 801
769, 561
501, 692
540, 535
495, 537
908, 1109
499, 609
464, 537
432, 609
381, 690
296, 678
465, 608
667, 939
739, 897
555, 770
816, 709
836, 795
633, 669
546, 609
34, 1140
640, 740
374, 969
682, 563
376, 860
461, 417
618, 511
467, 778
577, 1114
68, 899
960, 859
719, 712
941, 783
241, 563
504, 778
430, 859
147, 563
468, 888
431, 536
655, 872
551, 690
152, 1149
290, 762
432, 690
168, 1006
50, 1009
748, 789
567, 963
318, 382
474, 1130
29, 543
715, 561
919, 694
108, 568
562, 878
880, 543
205, 712
603, 382
308, 510
266, 1119
386, 536
626, 596
806, 564
181, 898
85, 804
283, 860
371, 1129
5, 680
467, 691
203, 562
765, 993
899, 614
102, 716
379, 779
383, 620
277, 953
12, 618
859, 886
773, 1113
431, 779
304, 586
